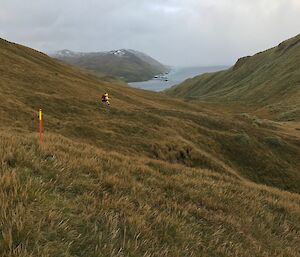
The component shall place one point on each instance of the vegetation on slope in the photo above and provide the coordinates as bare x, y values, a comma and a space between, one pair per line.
71, 199
151, 176
141, 122
128, 65
269, 80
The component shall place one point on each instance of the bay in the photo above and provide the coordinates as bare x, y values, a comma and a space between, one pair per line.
176, 76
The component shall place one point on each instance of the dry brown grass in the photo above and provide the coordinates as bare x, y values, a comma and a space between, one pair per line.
153, 176
71, 199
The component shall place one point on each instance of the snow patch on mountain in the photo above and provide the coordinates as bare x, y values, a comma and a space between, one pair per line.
120, 53
67, 53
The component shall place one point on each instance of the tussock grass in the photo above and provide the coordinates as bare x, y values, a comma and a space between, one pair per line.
138, 122
71, 199
274, 141
151, 176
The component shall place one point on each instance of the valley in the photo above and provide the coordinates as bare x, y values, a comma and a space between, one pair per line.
150, 175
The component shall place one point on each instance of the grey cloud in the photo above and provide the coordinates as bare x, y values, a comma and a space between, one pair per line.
177, 32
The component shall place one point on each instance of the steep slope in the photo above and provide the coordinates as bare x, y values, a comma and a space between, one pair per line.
140, 122
128, 65
151, 176
270, 79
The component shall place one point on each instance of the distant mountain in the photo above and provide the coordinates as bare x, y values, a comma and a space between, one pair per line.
269, 80
126, 64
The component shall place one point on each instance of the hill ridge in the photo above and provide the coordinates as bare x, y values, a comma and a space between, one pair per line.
126, 64
150, 176
267, 80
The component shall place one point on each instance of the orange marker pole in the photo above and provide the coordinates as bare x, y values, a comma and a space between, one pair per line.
41, 126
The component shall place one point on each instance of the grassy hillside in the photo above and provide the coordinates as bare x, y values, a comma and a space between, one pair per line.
151, 176
269, 80
71, 199
127, 65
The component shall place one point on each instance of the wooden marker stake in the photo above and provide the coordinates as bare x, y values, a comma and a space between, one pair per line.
41, 126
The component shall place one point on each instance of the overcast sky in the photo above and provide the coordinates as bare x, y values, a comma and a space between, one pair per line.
176, 32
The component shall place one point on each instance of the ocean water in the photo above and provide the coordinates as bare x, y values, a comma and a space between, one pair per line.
176, 76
